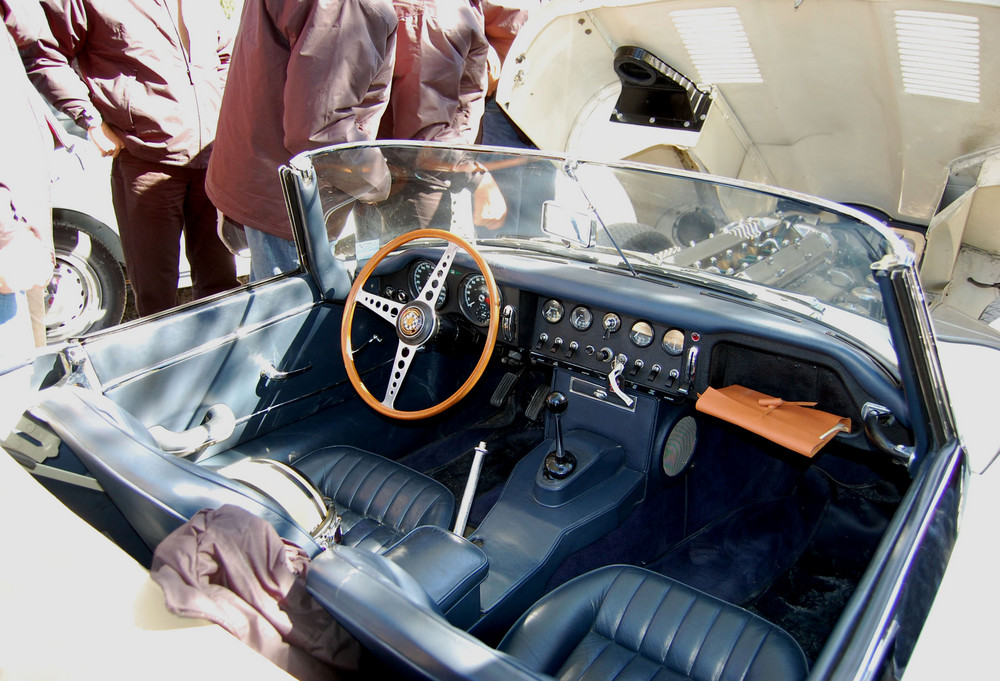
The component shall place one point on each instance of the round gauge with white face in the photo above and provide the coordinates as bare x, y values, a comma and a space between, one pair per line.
641, 335
474, 299
553, 311
422, 270
581, 318
673, 342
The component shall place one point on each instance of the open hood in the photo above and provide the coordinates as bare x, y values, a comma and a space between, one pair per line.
859, 102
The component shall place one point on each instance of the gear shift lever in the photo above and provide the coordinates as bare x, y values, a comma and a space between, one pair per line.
560, 463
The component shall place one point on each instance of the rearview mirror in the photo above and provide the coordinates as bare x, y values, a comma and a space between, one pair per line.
568, 224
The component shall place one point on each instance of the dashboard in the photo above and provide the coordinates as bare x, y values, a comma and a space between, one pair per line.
648, 336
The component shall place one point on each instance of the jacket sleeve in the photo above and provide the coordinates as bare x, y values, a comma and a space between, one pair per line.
341, 54
48, 61
504, 18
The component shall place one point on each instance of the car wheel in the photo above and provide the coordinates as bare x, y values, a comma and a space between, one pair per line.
87, 289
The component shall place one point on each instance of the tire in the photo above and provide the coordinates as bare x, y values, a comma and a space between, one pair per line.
991, 313
87, 291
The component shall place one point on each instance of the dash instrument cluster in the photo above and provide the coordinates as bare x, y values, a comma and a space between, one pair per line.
641, 354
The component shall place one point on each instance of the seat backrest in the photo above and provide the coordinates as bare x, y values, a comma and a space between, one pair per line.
154, 490
653, 626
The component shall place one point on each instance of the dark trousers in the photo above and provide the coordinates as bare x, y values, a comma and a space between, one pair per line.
154, 204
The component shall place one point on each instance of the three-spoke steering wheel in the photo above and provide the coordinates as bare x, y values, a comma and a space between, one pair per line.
415, 322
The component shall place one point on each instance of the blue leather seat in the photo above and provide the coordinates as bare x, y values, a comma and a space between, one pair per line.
613, 624
378, 499
623, 622
157, 492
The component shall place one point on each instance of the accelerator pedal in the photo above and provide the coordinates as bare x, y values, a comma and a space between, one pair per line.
537, 403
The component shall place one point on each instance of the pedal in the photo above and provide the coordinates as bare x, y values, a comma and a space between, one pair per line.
537, 403
503, 389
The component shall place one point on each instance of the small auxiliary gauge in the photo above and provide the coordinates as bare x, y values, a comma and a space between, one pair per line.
581, 318
673, 342
641, 335
552, 310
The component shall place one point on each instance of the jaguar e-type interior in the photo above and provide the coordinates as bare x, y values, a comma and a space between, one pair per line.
539, 417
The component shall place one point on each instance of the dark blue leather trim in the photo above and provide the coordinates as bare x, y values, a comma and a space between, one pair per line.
623, 622
446, 565
380, 500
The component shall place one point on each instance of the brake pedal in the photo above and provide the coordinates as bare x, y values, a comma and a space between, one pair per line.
537, 403
503, 389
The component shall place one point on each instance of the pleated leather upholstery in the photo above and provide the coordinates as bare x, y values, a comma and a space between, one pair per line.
623, 623
379, 500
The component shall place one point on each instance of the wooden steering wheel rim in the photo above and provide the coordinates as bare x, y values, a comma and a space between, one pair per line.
347, 322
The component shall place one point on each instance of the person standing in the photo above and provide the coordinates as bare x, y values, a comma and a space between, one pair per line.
25, 205
440, 79
147, 87
305, 74
25, 210
438, 94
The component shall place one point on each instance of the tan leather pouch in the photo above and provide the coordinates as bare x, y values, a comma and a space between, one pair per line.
795, 425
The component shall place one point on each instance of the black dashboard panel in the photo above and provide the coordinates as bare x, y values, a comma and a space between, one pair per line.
668, 338
648, 364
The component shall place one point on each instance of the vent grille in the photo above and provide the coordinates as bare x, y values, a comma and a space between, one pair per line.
717, 45
939, 54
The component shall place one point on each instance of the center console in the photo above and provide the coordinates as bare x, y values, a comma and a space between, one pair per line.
554, 505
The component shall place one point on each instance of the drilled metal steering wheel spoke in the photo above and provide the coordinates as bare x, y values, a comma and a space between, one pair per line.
400, 367
432, 288
384, 307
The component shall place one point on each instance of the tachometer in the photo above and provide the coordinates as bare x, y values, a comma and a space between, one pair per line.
422, 270
474, 299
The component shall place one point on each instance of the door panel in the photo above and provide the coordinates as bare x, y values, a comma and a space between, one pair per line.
169, 370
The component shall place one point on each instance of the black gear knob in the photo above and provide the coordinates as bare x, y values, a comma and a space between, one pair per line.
560, 463
556, 403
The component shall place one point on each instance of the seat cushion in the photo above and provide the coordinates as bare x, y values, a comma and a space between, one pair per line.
623, 622
379, 500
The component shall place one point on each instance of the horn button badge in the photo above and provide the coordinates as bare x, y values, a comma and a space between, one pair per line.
415, 323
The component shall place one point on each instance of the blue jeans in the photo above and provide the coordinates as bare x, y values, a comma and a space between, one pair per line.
17, 342
270, 255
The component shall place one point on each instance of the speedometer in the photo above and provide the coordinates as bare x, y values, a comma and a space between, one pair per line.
421, 272
474, 299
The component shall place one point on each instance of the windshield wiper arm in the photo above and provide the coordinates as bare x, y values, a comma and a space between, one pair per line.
569, 167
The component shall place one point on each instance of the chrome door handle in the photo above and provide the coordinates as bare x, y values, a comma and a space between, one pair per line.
272, 373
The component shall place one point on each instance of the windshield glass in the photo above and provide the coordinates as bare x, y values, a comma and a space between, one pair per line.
812, 257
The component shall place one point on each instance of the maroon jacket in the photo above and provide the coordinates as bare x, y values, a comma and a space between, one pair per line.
305, 74
136, 75
439, 85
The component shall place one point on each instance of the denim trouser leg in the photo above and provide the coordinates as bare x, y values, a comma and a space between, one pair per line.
17, 342
270, 255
